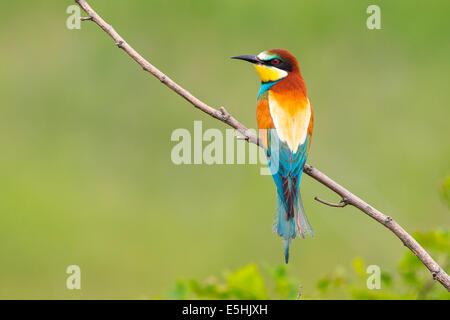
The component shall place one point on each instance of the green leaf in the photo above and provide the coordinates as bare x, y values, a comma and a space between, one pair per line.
323, 284
247, 283
180, 292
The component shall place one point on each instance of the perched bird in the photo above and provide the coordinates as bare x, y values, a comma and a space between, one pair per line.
285, 122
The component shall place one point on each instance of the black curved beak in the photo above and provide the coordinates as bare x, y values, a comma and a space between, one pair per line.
246, 57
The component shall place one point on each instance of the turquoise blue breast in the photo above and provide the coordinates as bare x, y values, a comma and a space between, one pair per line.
265, 86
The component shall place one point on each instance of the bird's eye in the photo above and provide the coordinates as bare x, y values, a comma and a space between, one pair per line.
275, 61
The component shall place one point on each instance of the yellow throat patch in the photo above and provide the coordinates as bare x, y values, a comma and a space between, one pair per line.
269, 74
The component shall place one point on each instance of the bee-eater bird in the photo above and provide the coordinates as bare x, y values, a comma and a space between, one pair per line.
285, 122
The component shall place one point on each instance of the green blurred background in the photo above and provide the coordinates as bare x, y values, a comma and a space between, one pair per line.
85, 170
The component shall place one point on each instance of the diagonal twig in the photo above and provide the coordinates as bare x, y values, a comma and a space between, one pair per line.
437, 272
300, 288
341, 203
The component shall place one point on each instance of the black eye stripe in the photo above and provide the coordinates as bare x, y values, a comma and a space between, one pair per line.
283, 65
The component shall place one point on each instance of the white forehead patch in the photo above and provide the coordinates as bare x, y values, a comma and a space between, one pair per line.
265, 56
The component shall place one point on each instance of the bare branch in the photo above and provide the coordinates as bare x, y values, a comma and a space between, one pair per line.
438, 273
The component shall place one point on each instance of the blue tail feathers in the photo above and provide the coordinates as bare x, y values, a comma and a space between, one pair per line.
286, 167
286, 252
290, 227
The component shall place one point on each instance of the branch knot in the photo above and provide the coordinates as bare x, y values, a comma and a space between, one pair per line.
120, 44
225, 115
435, 273
388, 220
308, 168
